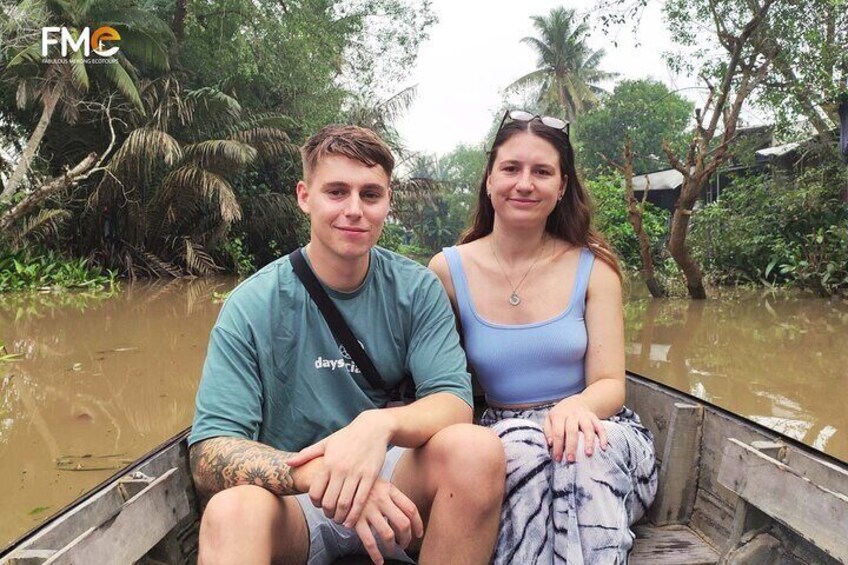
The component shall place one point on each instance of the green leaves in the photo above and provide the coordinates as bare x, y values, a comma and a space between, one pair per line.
124, 83
29, 271
778, 231
646, 111
568, 70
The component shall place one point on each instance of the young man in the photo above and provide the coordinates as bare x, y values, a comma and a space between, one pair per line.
282, 411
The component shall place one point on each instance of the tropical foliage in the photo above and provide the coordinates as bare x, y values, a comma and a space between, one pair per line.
167, 195
180, 156
568, 73
25, 271
643, 110
611, 219
774, 230
55, 84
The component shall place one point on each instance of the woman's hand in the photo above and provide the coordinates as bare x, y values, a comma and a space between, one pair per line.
563, 423
392, 516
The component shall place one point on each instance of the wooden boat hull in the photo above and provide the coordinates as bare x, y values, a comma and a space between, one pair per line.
730, 491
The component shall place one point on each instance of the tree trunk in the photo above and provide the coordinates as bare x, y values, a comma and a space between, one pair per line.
677, 243
570, 111
648, 275
50, 100
52, 187
634, 216
178, 25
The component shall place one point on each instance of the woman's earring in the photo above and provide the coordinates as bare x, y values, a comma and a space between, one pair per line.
561, 194
489, 194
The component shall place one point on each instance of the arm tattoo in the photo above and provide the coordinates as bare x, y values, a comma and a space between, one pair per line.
222, 462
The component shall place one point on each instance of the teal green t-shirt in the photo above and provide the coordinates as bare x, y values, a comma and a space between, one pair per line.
274, 372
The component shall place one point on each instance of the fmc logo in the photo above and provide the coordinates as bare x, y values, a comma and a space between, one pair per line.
87, 40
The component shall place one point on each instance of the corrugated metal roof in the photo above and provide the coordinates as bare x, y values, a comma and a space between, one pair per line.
668, 179
778, 150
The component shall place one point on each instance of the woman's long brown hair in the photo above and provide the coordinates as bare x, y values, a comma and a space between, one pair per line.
571, 219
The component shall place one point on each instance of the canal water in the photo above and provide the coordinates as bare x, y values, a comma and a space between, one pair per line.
103, 381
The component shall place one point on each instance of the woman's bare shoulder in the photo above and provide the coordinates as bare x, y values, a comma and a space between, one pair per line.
603, 280
439, 265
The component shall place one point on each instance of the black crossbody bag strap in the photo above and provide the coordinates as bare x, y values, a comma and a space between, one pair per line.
341, 331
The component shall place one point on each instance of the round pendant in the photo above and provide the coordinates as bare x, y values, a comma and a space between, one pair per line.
514, 299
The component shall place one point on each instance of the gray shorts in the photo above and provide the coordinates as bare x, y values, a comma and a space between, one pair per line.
328, 541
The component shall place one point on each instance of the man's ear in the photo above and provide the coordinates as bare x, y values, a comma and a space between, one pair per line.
303, 196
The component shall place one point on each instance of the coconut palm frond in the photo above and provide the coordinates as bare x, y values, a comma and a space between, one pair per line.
195, 257
133, 19
411, 198
415, 190
124, 83
220, 154
398, 104
29, 55
164, 101
79, 74
264, 119
530, 80
145, 49
544, 54
265, 210
214, 101
143, 149
160, 266
270, 142
570, 67
41, 226
128, 66
210, 185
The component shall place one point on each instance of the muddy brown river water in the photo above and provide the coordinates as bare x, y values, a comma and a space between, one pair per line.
103, 381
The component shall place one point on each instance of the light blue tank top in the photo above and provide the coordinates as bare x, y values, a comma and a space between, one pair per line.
526, 363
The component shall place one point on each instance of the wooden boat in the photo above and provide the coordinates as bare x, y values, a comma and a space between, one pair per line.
731, 491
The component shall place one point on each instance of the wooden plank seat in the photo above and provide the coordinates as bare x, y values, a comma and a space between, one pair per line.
670, 545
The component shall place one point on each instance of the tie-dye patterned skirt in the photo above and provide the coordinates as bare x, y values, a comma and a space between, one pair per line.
578, 513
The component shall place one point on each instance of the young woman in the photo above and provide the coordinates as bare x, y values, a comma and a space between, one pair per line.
538, 294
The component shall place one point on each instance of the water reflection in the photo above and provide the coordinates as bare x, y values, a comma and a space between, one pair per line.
779, 360
100, 383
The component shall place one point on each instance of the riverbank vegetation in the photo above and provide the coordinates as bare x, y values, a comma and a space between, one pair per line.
45, 270
180, 158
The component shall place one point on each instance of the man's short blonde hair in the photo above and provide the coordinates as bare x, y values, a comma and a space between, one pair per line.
354, 142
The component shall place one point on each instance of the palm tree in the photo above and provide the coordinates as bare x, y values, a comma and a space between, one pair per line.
381, 116
167, 195
61, 86
567, 75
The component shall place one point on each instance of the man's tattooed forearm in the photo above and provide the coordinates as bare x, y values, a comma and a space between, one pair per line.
220, 463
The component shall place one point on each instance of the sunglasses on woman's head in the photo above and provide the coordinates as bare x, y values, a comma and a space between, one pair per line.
523, 116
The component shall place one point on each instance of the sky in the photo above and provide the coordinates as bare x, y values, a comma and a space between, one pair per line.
475, 51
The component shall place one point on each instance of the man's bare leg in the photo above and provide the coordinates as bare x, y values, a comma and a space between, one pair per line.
248, 524
456, 479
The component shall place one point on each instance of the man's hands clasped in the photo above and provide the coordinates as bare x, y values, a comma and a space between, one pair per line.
349, 489
392, 516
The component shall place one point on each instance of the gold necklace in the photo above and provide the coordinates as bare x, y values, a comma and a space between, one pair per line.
514, 299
